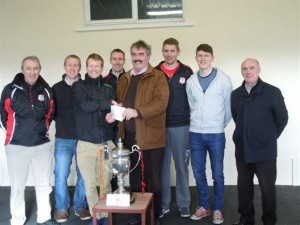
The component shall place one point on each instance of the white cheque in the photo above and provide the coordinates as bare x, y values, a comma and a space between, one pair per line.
117, 112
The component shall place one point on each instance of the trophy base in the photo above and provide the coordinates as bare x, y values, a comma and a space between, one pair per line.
132, 198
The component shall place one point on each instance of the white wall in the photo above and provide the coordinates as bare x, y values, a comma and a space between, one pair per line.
266, 30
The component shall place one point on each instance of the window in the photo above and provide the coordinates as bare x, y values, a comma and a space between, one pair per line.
129, 14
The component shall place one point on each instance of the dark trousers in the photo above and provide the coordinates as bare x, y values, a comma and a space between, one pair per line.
152, 171
266, 173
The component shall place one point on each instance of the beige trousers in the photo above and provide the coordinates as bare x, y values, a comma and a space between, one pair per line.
19, 160
89, 162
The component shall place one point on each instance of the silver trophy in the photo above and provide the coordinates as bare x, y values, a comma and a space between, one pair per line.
120, 164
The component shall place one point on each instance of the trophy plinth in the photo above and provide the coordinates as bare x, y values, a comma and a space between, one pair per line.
121, 166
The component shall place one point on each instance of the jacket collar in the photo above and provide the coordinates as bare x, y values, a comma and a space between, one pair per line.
93, 80
19, 82
148, 72
255, 90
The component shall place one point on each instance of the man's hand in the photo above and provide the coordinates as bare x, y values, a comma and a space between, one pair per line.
109, 118
113, 102
130, 113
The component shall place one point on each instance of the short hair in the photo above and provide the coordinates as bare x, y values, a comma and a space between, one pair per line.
253, 59
31, 58
205, 48
95, 57
171, 41
141, 44
72, 57
117, 50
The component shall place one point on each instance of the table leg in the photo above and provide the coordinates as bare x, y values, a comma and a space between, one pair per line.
94, 217
110, 219
143, 215
152, 212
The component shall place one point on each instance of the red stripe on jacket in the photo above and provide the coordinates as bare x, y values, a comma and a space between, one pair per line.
11, 121
48, 116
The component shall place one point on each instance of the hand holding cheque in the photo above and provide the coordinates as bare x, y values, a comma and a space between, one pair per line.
120, 113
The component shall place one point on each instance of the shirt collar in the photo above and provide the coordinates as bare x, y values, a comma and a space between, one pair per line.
140, 72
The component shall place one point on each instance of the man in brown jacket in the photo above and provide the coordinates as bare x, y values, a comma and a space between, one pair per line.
144, 92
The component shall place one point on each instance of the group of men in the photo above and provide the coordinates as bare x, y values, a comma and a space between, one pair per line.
170, 111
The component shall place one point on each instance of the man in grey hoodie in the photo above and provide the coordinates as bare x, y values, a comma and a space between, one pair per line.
208, 91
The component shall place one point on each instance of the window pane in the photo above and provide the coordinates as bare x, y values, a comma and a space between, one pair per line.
110, 9
153, 9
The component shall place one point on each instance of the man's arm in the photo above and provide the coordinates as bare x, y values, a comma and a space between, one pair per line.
189, 94
227, 95
280, 112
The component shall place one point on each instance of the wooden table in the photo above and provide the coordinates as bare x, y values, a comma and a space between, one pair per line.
141, 205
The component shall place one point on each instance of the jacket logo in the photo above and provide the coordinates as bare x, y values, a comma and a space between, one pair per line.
182, 80
41, 98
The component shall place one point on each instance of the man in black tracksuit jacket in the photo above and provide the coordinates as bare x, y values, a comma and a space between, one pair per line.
26, 110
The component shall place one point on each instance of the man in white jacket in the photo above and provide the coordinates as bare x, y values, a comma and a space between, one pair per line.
208, 91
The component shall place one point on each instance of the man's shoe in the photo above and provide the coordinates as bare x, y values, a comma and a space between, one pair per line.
49, 222
61, 216
200, 213
185, 212
157, 222
163, 212
238, 223
218, 217
84, 214
243, 223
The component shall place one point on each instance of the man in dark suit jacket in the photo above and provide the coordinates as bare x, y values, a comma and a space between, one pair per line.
260, 115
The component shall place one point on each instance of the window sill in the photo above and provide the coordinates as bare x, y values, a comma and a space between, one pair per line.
136, 25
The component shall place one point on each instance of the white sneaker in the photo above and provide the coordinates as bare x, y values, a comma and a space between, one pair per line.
218, 217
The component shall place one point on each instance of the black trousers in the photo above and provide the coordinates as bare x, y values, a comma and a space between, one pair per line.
266, 173
152, 171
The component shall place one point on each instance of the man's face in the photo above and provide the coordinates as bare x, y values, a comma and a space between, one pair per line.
139, 58
94, 68
250, 71
72, 68
117, 61
31, 70
204, 60
170, 54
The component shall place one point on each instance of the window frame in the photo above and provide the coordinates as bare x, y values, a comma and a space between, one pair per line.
131, 23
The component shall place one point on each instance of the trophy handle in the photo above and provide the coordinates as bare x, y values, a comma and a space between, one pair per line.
106, 150
137, 149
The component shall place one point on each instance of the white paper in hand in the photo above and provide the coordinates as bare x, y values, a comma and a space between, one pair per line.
117, 112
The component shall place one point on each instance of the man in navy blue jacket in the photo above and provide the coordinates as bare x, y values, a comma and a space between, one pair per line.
260, 115
93, 99
177, 123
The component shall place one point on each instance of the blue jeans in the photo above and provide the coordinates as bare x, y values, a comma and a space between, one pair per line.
214, 144
64, 151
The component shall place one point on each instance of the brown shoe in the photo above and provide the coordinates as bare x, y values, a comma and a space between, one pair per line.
84, 214
61, 216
